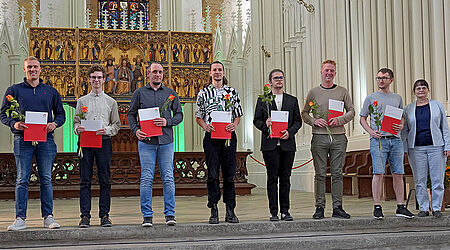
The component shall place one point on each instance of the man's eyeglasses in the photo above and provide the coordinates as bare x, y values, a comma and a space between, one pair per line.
382, 78
278, 78
96, 77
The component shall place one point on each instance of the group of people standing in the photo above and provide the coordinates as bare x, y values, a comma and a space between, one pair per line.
423, 127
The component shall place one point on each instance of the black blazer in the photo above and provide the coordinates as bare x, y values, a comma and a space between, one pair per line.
290, 104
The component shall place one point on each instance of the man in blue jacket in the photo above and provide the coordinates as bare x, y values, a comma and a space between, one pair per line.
33, 95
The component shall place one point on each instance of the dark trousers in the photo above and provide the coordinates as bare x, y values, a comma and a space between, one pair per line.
103, 160
217, 157
279, 168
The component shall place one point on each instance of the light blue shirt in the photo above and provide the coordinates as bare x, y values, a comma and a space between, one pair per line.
438, 126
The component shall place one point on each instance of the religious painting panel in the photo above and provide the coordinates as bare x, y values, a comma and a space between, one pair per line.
66, 54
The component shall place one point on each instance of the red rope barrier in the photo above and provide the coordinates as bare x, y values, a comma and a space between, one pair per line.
299, 166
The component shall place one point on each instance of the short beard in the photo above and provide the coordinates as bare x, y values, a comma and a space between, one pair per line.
156, 83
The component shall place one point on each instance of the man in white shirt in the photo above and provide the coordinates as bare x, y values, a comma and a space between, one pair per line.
99, 107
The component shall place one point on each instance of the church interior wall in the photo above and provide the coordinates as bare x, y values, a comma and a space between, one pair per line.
411, 37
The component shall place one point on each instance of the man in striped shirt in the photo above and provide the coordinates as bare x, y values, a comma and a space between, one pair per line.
218, 154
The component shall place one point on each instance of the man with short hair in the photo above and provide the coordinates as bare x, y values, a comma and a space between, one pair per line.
33, 95
99, 107
278, 153
218, 154
156, 148
391, 145
328, 140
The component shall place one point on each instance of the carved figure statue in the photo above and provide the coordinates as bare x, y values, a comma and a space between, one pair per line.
152, 52
110, 81
124, 77
95, 51
175, 53
186, 53
47, 50
162, 52
59, 50
206, 52
70, 49
138, 75
37, 49
196, 53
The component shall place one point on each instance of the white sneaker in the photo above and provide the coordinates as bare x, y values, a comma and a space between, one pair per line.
18, 224
49, 222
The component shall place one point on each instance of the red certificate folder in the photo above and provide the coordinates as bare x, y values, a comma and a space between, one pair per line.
146, 117
279, 123
335, 108
36, 123
149, 127
392, 115
89, 139
35, 132
220, 119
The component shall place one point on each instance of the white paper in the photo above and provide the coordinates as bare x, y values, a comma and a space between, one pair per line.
336, 105
148, 113
279, 116
32, 117
91, 125
393, 112
221, 116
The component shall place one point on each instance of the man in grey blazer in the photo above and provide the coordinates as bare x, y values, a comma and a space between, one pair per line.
278, 153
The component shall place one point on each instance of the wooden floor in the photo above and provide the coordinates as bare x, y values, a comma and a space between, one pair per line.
188, 209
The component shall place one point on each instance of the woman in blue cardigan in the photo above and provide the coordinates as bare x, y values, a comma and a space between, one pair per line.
427, 141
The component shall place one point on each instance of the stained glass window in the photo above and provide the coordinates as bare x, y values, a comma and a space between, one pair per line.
134, 13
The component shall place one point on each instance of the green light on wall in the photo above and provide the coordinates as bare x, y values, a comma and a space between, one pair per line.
69, 137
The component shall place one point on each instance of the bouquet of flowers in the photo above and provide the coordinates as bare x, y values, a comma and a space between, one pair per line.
267, 97
375, 112
324, 115
166, 104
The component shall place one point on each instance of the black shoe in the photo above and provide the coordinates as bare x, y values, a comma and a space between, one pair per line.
274, 217
214, 218
423, 214
378, 213
148, 222
230, 217
85, 222
319, 214
170, 220
402, 211
105, 221
339, 212
286, 217
437, 214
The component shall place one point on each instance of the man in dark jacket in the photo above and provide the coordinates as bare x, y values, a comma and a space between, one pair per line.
278, 153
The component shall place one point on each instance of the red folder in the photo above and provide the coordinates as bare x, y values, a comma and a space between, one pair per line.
219, 131
386, 124
149, 127
334, 113
35, 132
89, 139
277, 127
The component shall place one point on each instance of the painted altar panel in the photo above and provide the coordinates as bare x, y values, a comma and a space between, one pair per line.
66, 54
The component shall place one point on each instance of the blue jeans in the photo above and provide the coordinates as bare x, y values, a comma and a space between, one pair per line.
148, 154
423, 159
45, 154
391, 150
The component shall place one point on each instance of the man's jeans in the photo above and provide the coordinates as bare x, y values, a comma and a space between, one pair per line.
103, 157
45, 154
148, 154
